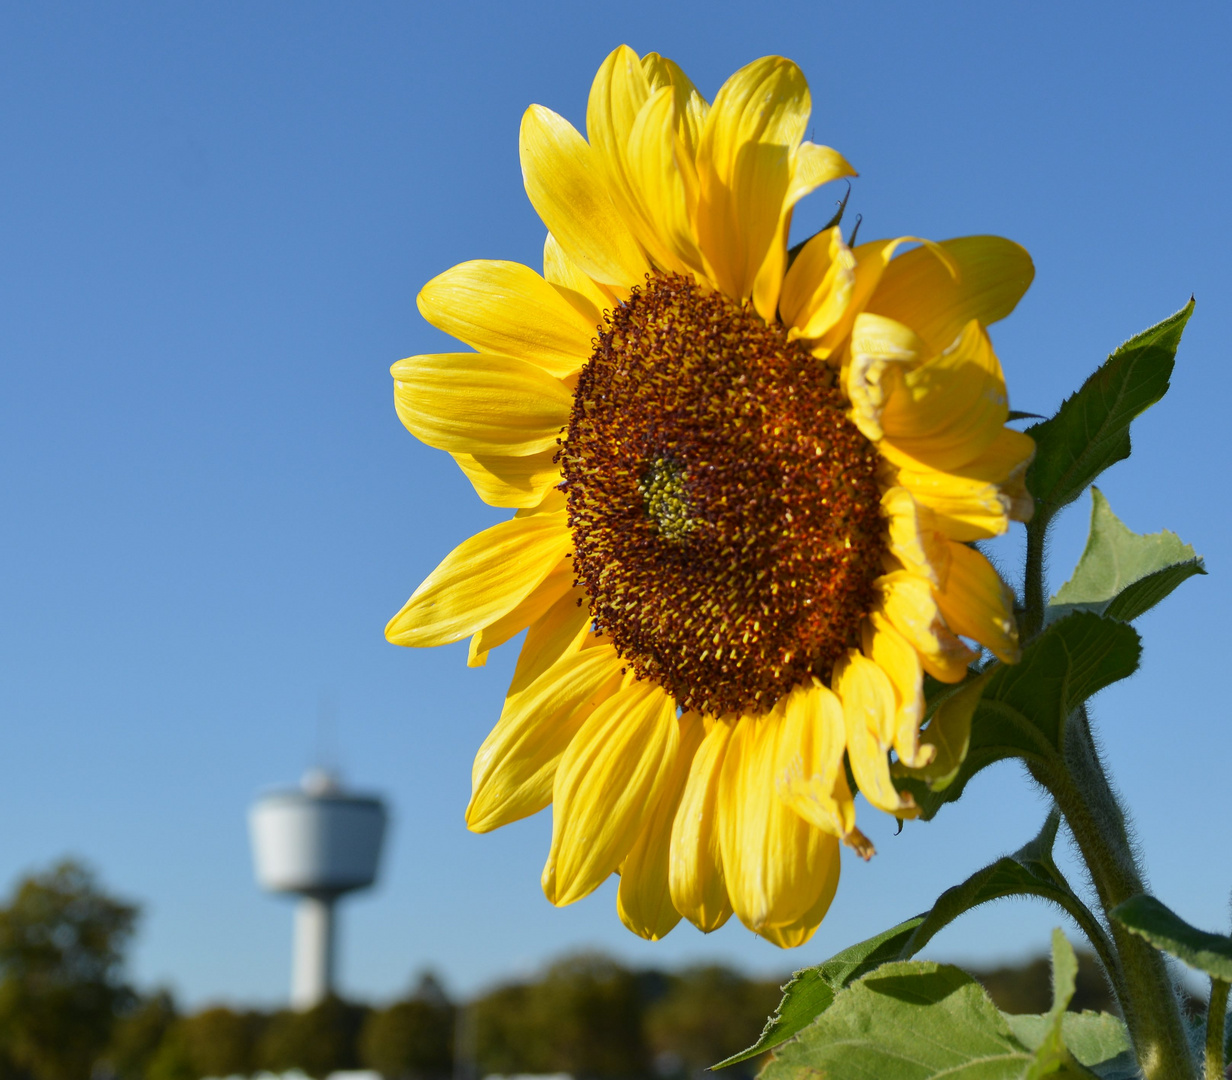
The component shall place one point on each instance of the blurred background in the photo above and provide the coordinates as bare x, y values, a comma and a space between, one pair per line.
214, 220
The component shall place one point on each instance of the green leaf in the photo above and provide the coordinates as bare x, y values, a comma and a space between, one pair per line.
1030, 871
915, 1020
1099, 1041
1123, 573
1091, 429
1167, 931
1025, 706
811, 992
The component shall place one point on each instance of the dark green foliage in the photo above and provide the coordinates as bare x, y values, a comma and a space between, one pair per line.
62, 946
221, 1042
318, 1041
706, 1013
409, 1039
583, 1017
138, 1035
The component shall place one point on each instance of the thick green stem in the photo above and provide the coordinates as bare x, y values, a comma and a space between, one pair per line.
1215, 1013
1033, 591
1152, 1011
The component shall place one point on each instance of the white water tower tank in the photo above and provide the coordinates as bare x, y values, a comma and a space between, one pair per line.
317, 842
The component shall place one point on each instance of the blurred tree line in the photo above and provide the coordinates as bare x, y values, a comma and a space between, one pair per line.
66, 1012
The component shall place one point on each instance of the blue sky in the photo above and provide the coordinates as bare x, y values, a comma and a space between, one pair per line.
213, 223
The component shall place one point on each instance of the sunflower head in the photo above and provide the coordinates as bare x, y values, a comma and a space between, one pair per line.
746, 490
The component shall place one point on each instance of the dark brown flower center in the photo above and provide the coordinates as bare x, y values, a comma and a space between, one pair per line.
725, 512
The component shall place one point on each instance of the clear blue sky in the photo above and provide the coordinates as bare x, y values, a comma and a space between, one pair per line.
214, 219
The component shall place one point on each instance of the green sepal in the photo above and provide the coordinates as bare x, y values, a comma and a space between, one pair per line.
810, 992
1168, 932
949, 733
1090, 431
1123, 573
915, 1020
1024, 706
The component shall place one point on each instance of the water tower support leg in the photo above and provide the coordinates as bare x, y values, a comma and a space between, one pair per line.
312, 972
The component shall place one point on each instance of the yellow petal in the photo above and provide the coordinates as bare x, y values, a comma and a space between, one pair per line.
881, 352
914, 538
947, 411
908, 603
977, 501
691, 107
978, 604
985, 279
696, 882
560, 631
744, 163
894, 654
515, 767
797, 933
644, 900
512, 482
505, 307
554, 587
652, 163
616, 767
565, 183
477, 403
815, 783
774, 861
811, 166
483, 578
869, 709
588, 298
871, 259
818, 288
618, 100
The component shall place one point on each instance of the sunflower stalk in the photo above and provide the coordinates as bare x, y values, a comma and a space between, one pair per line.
1215, 1015
1098, 823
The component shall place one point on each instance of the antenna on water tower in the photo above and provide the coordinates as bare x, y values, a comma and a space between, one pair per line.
316, 842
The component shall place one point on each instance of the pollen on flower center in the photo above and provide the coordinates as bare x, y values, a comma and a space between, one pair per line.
667, 498
725, 511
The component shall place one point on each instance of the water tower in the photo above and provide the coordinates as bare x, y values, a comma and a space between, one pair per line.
317, 842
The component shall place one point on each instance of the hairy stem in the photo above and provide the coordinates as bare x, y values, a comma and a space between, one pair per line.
1215, 1013
1097, 821
1033, 591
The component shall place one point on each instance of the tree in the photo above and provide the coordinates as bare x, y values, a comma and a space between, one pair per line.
706, 1016
137, 1036
220, 1042
62, 944
583, 1017
319, 1041
411, 1038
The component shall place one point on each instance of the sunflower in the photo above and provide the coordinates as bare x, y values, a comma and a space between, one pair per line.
746, 482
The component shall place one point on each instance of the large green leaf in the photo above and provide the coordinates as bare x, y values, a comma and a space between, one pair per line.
915, 1020
1091, 429
811, 992
1123, 573
1166, 930
1024, 707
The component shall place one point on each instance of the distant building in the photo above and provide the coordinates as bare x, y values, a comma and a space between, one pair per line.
317, 842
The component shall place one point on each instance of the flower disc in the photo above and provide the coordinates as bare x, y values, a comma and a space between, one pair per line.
725, 511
